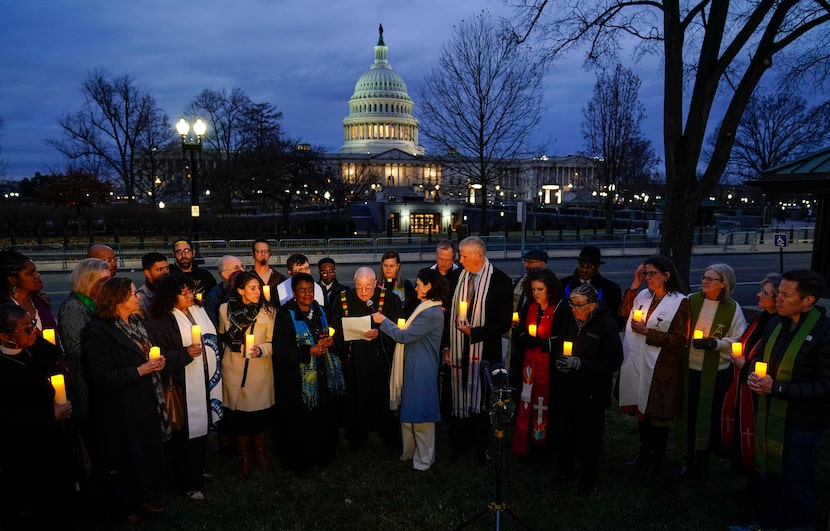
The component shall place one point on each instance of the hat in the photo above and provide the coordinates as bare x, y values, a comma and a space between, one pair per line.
592, 254
536, 255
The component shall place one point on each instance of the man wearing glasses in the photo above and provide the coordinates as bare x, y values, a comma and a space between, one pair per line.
587, 271
298, 263
105, 253
261, 252
183, 254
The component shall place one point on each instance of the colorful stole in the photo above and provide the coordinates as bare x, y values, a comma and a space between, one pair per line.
532, 420
711, 359
345, 305
308, 371
772, 421
739, 394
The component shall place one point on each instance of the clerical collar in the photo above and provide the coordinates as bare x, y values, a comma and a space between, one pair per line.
10, 351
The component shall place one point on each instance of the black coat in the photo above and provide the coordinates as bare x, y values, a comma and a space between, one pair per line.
498, 316
608, 290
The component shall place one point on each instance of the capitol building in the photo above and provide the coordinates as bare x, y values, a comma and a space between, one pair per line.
392, 178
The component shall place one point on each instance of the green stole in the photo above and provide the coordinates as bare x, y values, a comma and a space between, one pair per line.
771, 422
711, 360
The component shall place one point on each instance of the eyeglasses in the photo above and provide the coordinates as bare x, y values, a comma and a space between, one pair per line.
586, 265
576, 306
304, 291
364, 288
262, 251
328, 271
710, 279
114, 259
650, 274
29, 328
766, 295
185, 292
187, 250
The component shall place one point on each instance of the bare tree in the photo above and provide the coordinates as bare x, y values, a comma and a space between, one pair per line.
611, 129
4, 162
480, 102
711, 51
108, 135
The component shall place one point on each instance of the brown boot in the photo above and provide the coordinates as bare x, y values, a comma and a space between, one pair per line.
243, 450
260, 452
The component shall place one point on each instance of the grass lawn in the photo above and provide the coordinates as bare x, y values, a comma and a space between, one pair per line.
371, 489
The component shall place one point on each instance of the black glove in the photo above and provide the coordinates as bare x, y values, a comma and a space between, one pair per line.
568, 363
528, 341
705, 344
546, 344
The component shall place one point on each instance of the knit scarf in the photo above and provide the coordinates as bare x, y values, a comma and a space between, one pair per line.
772, 420
241, 317
465, 357
396, 376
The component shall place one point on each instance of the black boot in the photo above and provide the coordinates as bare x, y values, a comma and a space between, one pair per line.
644, 456
659, 441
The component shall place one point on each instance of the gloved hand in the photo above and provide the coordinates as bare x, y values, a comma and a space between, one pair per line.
547, 344
528, 341
568, 363
706, 343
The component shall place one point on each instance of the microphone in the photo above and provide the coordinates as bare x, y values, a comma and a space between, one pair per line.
499, 375
485, 370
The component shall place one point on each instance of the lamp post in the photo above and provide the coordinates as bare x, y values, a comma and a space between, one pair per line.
194, 147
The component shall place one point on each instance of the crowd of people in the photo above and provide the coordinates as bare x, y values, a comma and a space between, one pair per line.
126, 385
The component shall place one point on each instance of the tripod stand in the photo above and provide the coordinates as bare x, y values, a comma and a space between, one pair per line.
502, 403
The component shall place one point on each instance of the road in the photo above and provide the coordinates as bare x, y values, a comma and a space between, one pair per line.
749, 269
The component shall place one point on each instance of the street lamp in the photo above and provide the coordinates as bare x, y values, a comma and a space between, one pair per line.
194, 147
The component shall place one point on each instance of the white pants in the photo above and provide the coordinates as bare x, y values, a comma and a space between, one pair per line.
418, 444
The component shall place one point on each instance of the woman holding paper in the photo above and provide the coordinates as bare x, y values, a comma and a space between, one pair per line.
650, 376
126, 399
247, 324
36, 482
187, 339
413, 385
591, 353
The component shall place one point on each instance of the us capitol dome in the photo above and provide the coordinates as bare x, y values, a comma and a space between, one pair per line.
380, 111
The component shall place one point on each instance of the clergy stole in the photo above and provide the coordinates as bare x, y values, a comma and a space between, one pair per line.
772, 412
738, 408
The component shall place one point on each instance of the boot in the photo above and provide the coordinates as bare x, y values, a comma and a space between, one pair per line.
644, 455
260, 452
243, 450
659, 441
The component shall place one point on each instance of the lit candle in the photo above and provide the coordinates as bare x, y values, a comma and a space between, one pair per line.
698, 334
199, 297
567, 348
737, 349
60, 388
515, 317
49, 335
462, 310
761, 369
531, 329
249, 345
155, 352
331, 332
266, 290
196, 334
401, 323
638, 315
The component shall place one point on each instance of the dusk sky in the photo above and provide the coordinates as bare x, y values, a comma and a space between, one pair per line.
303, 56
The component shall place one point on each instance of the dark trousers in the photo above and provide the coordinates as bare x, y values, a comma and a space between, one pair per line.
789, 500
580, 438
188, 461
471, 431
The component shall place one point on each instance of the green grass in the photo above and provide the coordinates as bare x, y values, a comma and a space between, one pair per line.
371, 489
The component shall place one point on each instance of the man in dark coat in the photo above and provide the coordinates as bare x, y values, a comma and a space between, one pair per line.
183, 256
366, 362
587, 270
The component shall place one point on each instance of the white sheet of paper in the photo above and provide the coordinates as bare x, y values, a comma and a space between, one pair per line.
353, 327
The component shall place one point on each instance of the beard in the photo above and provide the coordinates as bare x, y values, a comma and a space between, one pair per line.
263, 261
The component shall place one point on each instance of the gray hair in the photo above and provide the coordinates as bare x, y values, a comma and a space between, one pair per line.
86, 274
774, 279
445, 244
729, 280
223, 262
365, 272
474, 241
585, 290
11, 314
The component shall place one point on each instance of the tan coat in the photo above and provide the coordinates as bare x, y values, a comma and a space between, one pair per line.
258, 393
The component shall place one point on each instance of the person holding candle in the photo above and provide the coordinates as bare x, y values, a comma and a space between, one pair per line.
738, 411
413, 390
20, 283
247, 377
261, 253
488, 292
126, 399
650, 376
706, 366
530, 368
187, 339
793, 401
583, 384
307, 379
36, 483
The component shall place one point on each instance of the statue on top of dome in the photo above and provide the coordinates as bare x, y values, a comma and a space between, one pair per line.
380, 34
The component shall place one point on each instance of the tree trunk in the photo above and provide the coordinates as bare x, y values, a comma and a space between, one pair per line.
678, 230
484, 221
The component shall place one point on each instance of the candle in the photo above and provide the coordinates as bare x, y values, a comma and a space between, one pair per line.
638, 315
331, 332
155, 352
196, 334
249, 345
49, 335
737, 350
515, 317
199, 297
266, 290
761, 369
60, 388
531, 329
567, 348
698, 334
462, 310
401, 323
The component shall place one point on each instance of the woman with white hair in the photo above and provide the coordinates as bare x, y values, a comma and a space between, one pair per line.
717, 322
